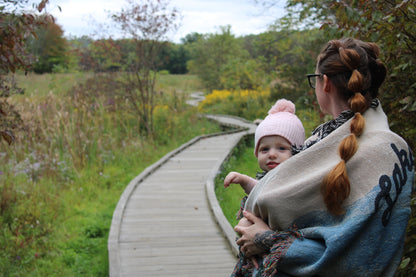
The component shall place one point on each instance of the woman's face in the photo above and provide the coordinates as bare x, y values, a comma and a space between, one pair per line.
321, 96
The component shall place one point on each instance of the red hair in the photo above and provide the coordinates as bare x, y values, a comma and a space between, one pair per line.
356, 72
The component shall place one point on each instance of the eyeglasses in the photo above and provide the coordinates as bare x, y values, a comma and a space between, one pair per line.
312, 79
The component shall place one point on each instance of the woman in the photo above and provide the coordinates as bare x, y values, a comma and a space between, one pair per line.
340, 206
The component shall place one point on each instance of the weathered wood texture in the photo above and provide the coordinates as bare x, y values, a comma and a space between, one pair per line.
168, 221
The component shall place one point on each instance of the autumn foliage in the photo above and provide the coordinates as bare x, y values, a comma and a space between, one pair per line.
15, 30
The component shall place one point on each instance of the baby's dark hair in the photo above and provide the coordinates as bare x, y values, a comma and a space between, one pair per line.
355, 70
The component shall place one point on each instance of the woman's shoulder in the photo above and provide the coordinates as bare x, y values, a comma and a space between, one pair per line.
377, 130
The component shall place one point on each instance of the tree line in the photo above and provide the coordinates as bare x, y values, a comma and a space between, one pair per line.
278, 58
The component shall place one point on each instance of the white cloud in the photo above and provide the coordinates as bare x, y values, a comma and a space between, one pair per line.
82, 17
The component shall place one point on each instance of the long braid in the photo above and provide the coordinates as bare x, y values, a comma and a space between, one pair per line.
336, 185
347, 58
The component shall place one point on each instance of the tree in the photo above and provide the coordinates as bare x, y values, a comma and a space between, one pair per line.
191, 38
291, 55
175, 58
242, 74
15, 28
105, 55
147, 23
80, 53
48, 47
211, 53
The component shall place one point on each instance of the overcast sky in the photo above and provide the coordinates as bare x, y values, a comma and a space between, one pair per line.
82, 17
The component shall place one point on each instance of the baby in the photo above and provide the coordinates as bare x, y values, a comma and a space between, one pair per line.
273, 139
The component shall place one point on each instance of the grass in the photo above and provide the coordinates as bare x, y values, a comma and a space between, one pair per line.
180, 83
36, 85
242, 160
77, 149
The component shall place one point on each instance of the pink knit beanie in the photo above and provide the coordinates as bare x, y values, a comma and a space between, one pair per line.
282, 121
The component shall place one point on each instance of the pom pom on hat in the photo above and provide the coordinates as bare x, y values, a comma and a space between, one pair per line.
282, 105
282, 121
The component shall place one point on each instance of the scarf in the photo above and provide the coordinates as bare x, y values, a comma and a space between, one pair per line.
368, 239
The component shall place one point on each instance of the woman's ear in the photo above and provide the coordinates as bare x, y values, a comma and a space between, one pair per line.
327, 84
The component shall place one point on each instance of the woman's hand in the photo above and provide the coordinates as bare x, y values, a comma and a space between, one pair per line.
251, 228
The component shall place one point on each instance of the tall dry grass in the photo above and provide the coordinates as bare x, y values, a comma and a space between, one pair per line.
78, 147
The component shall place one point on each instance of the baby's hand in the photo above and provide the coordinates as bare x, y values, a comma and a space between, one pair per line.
246, 182
231, 178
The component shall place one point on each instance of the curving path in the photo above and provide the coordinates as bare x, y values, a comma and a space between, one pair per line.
168, 221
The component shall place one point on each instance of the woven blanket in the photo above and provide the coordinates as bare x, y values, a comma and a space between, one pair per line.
368, 239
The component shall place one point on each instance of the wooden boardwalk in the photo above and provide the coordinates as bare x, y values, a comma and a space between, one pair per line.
168, 221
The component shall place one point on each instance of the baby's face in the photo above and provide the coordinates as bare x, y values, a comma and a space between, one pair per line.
273, 150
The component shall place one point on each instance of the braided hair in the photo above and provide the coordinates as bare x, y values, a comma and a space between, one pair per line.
355, 70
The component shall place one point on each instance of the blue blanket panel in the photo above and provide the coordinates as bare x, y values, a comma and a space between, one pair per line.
366, 241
